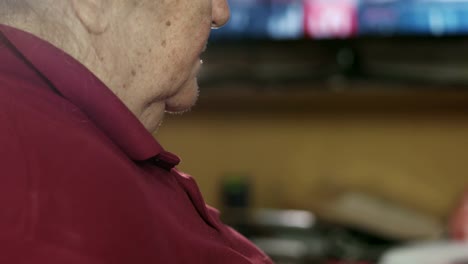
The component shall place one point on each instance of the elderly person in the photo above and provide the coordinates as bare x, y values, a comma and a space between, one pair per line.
83, 84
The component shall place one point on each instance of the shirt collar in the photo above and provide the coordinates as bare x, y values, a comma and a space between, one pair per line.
81, 87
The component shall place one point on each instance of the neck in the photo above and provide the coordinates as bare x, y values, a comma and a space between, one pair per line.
90, 50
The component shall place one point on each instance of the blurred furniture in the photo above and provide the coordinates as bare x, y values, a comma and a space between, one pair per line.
429, 253
298, 237
287, 236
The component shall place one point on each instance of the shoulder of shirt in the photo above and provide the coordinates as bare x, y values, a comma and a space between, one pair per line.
23, 101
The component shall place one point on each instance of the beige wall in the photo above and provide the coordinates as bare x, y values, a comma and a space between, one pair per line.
411, 153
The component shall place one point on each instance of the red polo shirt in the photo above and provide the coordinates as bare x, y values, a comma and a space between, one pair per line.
83, 182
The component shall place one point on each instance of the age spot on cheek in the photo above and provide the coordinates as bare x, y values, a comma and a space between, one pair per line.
133, 72
164, 43
168, 23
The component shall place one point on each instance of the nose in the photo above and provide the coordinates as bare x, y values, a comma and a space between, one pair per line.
220, 13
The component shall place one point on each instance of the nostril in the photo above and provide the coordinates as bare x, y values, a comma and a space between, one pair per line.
220, 14
215, 25
219, 24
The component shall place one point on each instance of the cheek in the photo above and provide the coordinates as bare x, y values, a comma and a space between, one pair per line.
183, 51
177, 47
169, 70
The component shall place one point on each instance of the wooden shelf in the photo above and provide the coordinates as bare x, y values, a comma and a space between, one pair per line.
352, 97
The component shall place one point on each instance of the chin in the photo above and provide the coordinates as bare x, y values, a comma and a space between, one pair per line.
184, 100
180, 108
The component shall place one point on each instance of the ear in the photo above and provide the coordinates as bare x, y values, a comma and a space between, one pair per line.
93, 14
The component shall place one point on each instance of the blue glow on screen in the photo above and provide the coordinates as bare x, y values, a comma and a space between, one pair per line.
260, 19
413, 17
286, 19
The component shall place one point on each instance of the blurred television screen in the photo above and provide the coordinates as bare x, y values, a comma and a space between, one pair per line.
413, 17
330, 19
338, 19
260, 19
